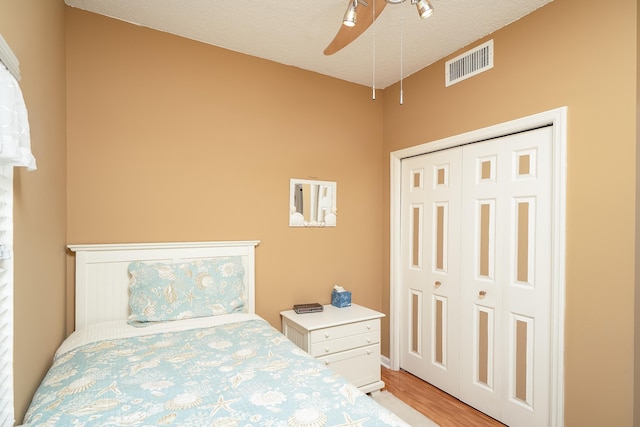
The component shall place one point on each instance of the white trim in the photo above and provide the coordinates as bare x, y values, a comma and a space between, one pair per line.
558, 119
7, 413
384, 361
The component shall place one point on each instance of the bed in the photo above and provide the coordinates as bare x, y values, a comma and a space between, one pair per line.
166, 334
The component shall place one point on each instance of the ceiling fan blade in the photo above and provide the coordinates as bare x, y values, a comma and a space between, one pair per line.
346, 34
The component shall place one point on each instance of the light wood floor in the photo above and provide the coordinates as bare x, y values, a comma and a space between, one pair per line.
442, 408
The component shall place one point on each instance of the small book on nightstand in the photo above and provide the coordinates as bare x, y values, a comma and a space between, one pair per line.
307, 308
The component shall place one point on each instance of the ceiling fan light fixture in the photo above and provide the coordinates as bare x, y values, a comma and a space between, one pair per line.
350, 16
425, 9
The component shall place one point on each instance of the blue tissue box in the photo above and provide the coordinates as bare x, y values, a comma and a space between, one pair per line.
341, 299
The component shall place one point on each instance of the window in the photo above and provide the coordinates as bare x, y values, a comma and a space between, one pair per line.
6, 297
15, 150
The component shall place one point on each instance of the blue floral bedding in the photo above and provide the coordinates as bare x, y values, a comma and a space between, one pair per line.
238, 374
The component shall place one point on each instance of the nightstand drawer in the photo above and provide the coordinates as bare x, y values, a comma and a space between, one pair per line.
360, 366
346, 343
346, 330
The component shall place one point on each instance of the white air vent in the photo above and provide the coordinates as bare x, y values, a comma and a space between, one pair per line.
469, 64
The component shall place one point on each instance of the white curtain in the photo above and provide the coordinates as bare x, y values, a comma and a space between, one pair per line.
15, 140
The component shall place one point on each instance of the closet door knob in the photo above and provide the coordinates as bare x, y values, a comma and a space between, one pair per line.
482, 294
437, 284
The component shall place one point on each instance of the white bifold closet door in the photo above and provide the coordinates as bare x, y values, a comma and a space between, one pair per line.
430, 222
476, 273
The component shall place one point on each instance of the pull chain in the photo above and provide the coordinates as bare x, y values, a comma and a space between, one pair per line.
373, 73
401, 57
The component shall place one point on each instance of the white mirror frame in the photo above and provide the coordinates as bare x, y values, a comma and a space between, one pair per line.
321, 199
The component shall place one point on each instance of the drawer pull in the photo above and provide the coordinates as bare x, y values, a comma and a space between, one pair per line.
326, 334
368, 326
326, 349
368, 340
326, 362
368, 352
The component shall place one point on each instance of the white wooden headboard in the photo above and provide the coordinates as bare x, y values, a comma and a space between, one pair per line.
102, 278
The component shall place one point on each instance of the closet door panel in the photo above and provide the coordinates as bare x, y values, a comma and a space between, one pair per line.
431, 267
505, 295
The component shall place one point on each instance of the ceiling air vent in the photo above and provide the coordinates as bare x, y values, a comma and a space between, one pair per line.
469, 64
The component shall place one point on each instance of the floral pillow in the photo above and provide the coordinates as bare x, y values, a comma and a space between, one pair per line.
161, 292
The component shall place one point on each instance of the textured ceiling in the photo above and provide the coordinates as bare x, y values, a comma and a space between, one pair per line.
295, 32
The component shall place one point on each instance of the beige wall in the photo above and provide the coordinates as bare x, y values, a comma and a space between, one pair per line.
175, 140
35, 31
580, 55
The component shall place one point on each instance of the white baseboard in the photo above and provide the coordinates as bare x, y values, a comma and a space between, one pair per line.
385, 361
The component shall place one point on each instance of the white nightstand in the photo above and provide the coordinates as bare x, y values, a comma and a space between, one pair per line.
346, 339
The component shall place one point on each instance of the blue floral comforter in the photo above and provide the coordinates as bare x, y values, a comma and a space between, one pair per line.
237, 374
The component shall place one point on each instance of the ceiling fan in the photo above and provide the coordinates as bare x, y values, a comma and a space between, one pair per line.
352, 27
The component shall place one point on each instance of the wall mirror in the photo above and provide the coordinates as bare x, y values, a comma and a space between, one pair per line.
312, 203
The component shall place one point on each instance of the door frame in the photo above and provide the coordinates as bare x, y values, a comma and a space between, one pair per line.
557, 118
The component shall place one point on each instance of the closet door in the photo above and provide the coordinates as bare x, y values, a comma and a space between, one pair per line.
505, 295
476, 274
430, 228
